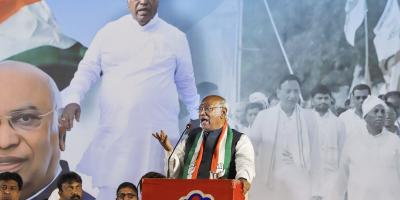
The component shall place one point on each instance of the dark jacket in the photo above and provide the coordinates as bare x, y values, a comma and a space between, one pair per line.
235, 140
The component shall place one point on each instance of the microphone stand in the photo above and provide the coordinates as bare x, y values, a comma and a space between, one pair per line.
169, 158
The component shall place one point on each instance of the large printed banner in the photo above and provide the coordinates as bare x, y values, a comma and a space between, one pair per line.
235, 53
54, 36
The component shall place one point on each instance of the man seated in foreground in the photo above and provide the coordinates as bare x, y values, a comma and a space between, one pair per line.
10, 186
70, 187
127, 191
149, 175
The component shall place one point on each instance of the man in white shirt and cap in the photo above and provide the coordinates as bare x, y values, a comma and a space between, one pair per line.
331, 135
370, 166
287, 160
352, 118
145, 65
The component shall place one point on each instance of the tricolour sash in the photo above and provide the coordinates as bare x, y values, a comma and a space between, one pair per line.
221, 157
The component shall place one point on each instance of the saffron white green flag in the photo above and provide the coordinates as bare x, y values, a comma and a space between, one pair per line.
355, 13
387, 31
27, 24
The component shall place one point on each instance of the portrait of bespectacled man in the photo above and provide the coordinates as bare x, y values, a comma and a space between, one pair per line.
30, 141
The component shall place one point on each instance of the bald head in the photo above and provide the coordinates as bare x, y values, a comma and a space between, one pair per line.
29, 134
215, 98
30, 81
21, 68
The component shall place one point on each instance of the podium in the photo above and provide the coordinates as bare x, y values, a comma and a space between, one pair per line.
189, 189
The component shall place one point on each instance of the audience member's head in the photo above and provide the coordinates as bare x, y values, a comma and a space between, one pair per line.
127, 191
30, 144
10, 186
150, 175
153, 175
70, 186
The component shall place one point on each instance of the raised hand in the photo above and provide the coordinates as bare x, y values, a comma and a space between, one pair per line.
162, 137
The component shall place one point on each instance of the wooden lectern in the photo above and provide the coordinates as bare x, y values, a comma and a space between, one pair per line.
189, 189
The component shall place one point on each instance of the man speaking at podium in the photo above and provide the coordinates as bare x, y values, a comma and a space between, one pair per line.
212, 151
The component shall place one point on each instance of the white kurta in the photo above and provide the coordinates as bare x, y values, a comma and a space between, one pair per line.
331, 135
144, 69
353, 123
370, 167
287, 161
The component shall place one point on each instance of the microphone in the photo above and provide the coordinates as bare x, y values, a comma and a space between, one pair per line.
182, 134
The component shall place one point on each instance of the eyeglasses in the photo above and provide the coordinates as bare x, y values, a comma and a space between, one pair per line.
10, 188
208, 109
25, 120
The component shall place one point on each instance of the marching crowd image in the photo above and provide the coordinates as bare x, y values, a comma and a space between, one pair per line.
298, 141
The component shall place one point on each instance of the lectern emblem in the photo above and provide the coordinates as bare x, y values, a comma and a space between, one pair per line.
197, 195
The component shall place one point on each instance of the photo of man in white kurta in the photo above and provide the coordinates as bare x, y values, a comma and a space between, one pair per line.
144, 65
287, 159
370, 165
331, 135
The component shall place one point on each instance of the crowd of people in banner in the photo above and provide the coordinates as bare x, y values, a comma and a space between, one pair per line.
321, 150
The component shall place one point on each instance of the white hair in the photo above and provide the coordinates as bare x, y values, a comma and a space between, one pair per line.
226, 105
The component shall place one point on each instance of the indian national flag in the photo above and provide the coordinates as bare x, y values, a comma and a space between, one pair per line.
27, 24
355, 13
387, 31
